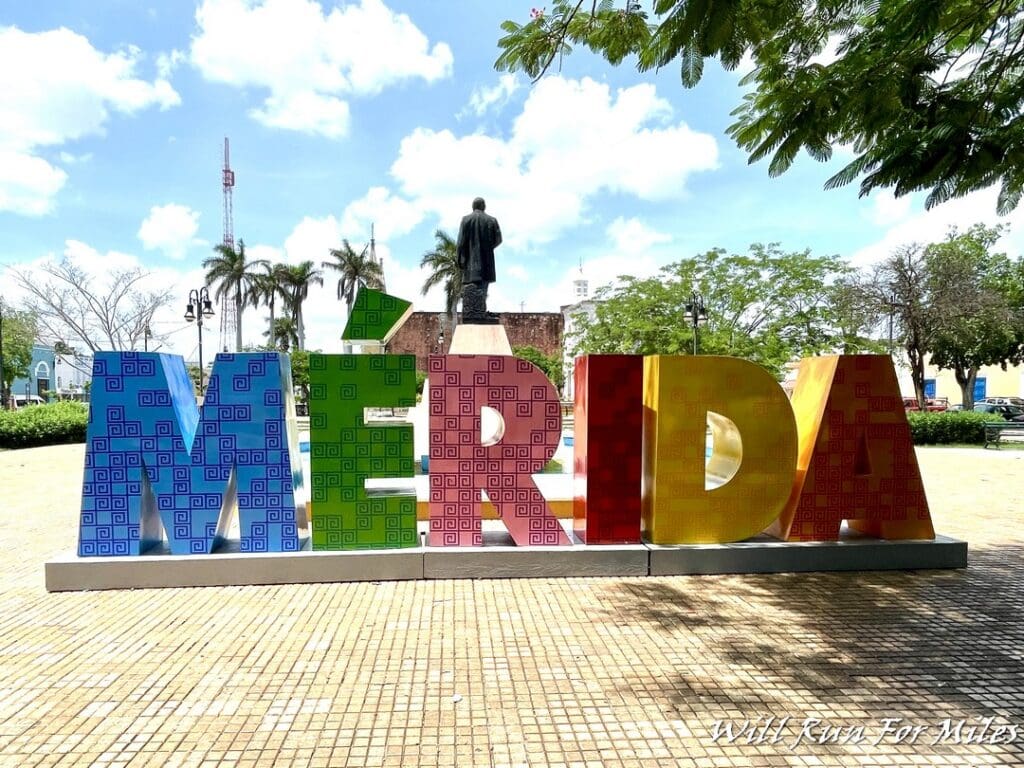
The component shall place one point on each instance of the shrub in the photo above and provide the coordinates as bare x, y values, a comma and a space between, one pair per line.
945, 427
43, 425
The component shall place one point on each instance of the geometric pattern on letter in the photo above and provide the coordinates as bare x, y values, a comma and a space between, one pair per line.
460, 467
607, 448
375, 316
679, 394
345, 451
154, 468
856, 459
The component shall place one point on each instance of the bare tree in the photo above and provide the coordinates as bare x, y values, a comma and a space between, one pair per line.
899, 285
109, 314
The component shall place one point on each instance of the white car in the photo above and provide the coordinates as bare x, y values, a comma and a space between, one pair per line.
21, 402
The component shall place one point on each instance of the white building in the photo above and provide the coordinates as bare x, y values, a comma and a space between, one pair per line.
584, 305
72, 373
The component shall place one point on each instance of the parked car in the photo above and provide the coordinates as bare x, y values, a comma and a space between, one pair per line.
1017, 401
1008, 412
931, 404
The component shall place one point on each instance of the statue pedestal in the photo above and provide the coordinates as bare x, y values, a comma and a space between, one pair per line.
480, 340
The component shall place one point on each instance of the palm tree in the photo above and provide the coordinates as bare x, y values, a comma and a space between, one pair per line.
355, 269
269, 287
283, 334
235, 279
443, 262
297, 279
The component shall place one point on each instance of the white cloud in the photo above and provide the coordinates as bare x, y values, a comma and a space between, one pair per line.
56, 89
170, 228
484, 98
310, 60
573, 139
887, 209
931, 226
632, 236
518, 271
166, 63
391, 216
28, 184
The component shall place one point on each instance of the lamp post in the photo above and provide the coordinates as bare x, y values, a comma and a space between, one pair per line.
199, 307
696, 315
145, 338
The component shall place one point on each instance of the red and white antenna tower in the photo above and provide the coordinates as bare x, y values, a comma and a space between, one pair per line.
228, 317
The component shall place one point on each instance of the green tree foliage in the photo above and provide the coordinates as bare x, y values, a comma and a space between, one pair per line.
972, 293
551, 365
927, 93
235, 279
52, 424
354, 269
268, 287
300, 374
19, 334
767, 306
443, 263
284, 336
296, 280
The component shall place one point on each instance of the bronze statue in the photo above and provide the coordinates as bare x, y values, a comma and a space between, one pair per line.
479, 235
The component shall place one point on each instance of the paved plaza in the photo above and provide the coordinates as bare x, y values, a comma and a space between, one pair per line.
568, 672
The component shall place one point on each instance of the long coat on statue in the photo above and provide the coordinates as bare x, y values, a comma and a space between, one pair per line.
479, 235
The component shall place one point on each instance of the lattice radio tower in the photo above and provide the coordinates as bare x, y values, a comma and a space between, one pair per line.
228, 317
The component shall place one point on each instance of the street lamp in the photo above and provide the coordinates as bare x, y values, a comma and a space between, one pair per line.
199, 300
696, 315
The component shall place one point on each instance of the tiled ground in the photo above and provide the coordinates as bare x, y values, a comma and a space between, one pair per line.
574, 672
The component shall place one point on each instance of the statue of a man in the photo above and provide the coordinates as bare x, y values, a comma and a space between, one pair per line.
479, 235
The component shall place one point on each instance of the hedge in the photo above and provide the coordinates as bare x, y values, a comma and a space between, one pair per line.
944, 427
43, 425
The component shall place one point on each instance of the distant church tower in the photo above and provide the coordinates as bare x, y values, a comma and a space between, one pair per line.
580, 286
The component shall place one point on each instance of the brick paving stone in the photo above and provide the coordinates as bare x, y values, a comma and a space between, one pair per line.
573, 673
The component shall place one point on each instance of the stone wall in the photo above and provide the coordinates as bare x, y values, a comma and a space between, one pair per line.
419, 335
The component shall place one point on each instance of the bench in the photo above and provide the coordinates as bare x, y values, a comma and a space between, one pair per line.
994, 431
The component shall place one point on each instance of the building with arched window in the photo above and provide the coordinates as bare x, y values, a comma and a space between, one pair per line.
40, 380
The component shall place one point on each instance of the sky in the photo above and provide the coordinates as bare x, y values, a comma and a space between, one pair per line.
343, 114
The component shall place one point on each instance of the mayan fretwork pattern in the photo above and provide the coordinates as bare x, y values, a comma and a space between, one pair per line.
856, 460
375, 317
461, 466
607, 448
690, 497
346, 450
154, 468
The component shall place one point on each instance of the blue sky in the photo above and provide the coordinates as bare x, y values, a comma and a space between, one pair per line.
114, 114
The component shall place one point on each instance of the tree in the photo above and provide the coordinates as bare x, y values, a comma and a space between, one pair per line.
927, 93
971, 290
856, 318
107, 313
355, 269
297, 278
767, 306
267, 289
284, 336
551, 365
443, 263
19, 331
300, 374
899, 285
235, 279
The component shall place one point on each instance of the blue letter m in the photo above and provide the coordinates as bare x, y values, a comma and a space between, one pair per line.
154, 469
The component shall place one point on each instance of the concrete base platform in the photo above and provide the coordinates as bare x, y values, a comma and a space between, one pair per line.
764, 554
231, 569
500, 558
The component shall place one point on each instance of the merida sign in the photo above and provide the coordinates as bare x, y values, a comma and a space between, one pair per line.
160, 471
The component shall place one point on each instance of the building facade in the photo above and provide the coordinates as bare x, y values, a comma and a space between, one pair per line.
40, 380
428, 333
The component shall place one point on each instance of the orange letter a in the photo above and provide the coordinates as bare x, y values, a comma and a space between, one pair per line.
856, 459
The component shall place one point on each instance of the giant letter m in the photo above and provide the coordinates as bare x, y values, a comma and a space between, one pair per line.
156, 469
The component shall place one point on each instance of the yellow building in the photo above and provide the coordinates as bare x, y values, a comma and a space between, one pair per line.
992, 381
